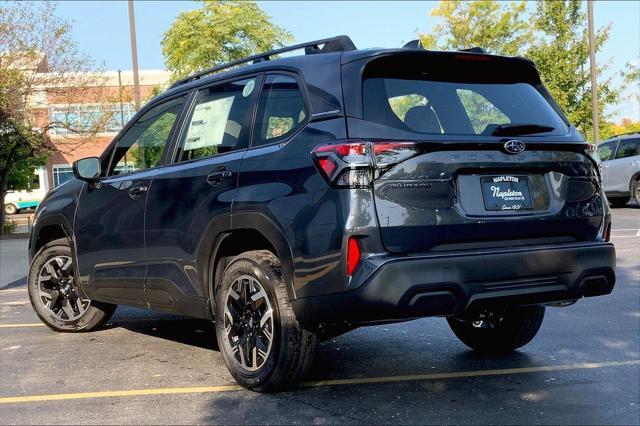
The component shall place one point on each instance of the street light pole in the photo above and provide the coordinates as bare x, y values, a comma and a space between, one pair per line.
134, 55
592, 68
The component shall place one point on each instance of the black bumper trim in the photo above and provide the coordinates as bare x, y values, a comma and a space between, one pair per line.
458, 283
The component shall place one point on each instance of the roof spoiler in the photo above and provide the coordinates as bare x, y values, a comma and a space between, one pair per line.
417, 44
341, 43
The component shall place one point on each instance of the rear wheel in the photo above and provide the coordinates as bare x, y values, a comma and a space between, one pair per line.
262, 344
499, 331
636, 191
55, 296
618, 201
10, 209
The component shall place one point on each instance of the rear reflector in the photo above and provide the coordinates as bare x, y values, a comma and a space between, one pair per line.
353, 255
607, 232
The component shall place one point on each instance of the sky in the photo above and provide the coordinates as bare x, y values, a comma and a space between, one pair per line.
101, 28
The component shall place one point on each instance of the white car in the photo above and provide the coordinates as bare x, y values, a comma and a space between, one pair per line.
26, 198
620, 156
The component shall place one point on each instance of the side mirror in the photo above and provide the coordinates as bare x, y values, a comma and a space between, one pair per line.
87, 169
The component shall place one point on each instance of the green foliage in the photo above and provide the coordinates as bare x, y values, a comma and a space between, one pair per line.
401, 104
561, 53
9, 228
219, 32
554, 36
627, 126
481, 112
498, 28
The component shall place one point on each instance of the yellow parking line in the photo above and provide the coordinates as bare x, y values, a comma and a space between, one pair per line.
35, 324
336, 382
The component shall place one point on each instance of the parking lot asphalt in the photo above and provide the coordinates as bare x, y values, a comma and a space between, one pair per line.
149, 368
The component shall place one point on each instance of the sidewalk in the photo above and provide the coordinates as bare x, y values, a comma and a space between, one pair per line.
14, 262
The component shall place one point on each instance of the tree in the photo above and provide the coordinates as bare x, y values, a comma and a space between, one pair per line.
498, 28
554, 36
219, 32
561, 53
37, 58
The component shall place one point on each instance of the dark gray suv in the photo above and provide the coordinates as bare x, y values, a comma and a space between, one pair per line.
293, 199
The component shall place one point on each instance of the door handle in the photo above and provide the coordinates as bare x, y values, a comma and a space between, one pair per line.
137, 191
215, 178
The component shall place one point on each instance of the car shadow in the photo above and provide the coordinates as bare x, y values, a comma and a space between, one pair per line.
189, 331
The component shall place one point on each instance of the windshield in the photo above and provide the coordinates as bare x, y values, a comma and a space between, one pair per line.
430, 106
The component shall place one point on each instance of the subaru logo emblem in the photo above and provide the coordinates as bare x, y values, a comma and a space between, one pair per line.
514, 146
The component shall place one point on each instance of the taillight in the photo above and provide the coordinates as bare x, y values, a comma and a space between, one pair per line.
353, 255
355, 163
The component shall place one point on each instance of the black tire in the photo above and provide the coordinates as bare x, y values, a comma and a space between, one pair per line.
506, 332
96, 313
635, 191
619, 201
291, 348
11, 209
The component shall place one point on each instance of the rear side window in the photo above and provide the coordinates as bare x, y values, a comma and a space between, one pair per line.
628, 148
281, 110
216, 121
456, 98
605, 150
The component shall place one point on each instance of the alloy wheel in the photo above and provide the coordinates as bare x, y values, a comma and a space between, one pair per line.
57, 290
248, 322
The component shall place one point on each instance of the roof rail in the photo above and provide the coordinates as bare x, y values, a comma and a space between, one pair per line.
634, 132
341, 43
474, 49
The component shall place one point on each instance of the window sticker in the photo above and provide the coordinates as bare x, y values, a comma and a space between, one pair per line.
248, 88
208, 123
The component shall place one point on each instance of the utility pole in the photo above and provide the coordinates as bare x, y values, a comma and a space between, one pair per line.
134, 55
592, 67
120, 98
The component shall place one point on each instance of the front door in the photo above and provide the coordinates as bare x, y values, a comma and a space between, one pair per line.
109, 224
621, 168
190, 201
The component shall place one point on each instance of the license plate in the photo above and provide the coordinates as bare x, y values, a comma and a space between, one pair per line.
506, 192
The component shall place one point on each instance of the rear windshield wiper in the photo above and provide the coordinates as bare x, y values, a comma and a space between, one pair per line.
515, 129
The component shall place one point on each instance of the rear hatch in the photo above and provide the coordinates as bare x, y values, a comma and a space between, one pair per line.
470, 152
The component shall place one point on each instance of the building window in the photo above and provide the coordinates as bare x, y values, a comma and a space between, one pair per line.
87, 117
61, 174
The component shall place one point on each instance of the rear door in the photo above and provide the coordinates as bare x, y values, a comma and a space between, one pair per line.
472, 153
190, 200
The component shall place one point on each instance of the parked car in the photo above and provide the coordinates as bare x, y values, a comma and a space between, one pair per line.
296, 198
620, 156
26, 197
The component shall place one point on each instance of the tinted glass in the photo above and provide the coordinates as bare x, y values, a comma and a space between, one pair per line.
628, 148
142, 146
281, 110
216, 121
605, 150
465, 108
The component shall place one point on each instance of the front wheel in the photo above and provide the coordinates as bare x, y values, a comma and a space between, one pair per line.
55, 296
499, 331
636, 191
262, 344
10, 209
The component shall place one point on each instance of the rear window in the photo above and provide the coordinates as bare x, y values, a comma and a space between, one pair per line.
467, 104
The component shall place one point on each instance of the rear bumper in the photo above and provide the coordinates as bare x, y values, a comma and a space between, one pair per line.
455, 283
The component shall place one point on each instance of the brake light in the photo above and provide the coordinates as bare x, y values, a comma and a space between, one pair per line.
607, 232
353, 255
354, 164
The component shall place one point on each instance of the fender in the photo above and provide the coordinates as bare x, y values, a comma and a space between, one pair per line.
255, 221
275, 235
